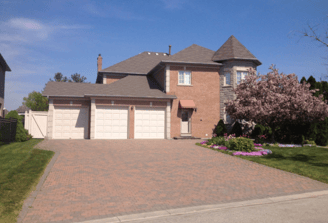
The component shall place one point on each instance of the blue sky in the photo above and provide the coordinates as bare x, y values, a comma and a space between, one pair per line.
40, 38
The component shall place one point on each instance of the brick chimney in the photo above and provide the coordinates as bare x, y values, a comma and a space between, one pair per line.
99, 63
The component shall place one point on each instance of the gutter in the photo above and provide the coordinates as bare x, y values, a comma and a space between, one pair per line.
123, 96
184, 62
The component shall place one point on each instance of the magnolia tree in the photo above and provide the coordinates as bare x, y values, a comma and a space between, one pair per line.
275, 100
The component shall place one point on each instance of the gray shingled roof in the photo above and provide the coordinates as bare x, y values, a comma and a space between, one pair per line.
193, 54
139, 64
130, 86
233, 49
22, 109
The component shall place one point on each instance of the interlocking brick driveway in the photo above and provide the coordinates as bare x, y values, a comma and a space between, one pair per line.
94, 179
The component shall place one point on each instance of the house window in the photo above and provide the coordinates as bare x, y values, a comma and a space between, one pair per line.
227, 79
227, 117
184, 78
241, 76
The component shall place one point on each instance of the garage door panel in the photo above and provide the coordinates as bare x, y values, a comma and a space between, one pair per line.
107, 122
150, 123
71, 122
114, 121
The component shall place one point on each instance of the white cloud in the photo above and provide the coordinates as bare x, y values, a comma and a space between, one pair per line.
106, 11
23, 23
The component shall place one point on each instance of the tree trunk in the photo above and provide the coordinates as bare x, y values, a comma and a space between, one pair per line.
273, 128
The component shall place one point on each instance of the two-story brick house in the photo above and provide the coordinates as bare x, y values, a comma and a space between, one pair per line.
3, 68
151, 95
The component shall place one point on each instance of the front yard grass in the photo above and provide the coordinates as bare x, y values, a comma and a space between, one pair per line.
21, 166
307, 161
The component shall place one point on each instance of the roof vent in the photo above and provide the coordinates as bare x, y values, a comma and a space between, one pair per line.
156, 54
148, 53
164, 54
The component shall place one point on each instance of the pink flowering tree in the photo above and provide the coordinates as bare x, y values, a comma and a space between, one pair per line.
275, 100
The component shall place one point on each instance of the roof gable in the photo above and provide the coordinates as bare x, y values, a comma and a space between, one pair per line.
233, 49
193, 54
142, 63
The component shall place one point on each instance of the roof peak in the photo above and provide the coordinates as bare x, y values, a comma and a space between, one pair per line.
233, 49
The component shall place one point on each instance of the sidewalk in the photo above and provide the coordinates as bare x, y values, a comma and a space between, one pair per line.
307, 207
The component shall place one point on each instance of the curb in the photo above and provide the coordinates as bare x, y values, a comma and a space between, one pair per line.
204, 208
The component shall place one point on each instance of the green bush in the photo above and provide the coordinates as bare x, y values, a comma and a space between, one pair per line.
321, 137
220, 128
241, 144
21, 133
236, 129
218, 140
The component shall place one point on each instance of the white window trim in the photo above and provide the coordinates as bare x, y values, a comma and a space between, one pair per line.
225, 79
184, 78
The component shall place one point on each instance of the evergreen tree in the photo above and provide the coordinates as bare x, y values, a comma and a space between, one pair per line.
220, 128
236, 129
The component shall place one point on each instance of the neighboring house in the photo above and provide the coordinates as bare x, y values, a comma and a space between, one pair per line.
151, 95
3, 68
4, 112
21, 111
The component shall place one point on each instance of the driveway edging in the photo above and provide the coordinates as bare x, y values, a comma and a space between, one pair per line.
205, 208
29, 201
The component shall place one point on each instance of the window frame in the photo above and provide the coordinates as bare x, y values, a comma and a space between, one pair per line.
225, 78
184, 77
242, 76
226, 117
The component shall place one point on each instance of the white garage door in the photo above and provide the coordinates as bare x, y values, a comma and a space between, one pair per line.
71, 123
149, 123
111, 122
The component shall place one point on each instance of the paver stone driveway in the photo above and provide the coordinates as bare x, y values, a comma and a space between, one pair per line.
93, 179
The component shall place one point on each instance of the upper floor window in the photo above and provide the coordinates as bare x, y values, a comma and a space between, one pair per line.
241, 76
227, 79
185, 77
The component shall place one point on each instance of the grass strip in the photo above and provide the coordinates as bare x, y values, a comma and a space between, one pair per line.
21, 167
308, 161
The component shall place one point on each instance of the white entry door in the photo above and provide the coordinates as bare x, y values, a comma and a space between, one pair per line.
149, 123
71, 123
185, 122
111, 122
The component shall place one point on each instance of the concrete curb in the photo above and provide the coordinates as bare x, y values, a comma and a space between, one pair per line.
29, 201
204, 208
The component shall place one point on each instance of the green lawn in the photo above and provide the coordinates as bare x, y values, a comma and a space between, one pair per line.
307, 161
21, 166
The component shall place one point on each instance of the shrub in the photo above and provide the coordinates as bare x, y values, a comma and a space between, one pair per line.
241, 144
21, 133
258, 130
322, 133
220, 128
216, 141
236, 129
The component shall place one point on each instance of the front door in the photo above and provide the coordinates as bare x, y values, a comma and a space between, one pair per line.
185, 122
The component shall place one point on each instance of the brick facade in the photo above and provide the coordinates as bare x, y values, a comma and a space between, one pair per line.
111, 78
204, 91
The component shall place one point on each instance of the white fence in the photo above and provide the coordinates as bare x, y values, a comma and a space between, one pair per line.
36, 123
